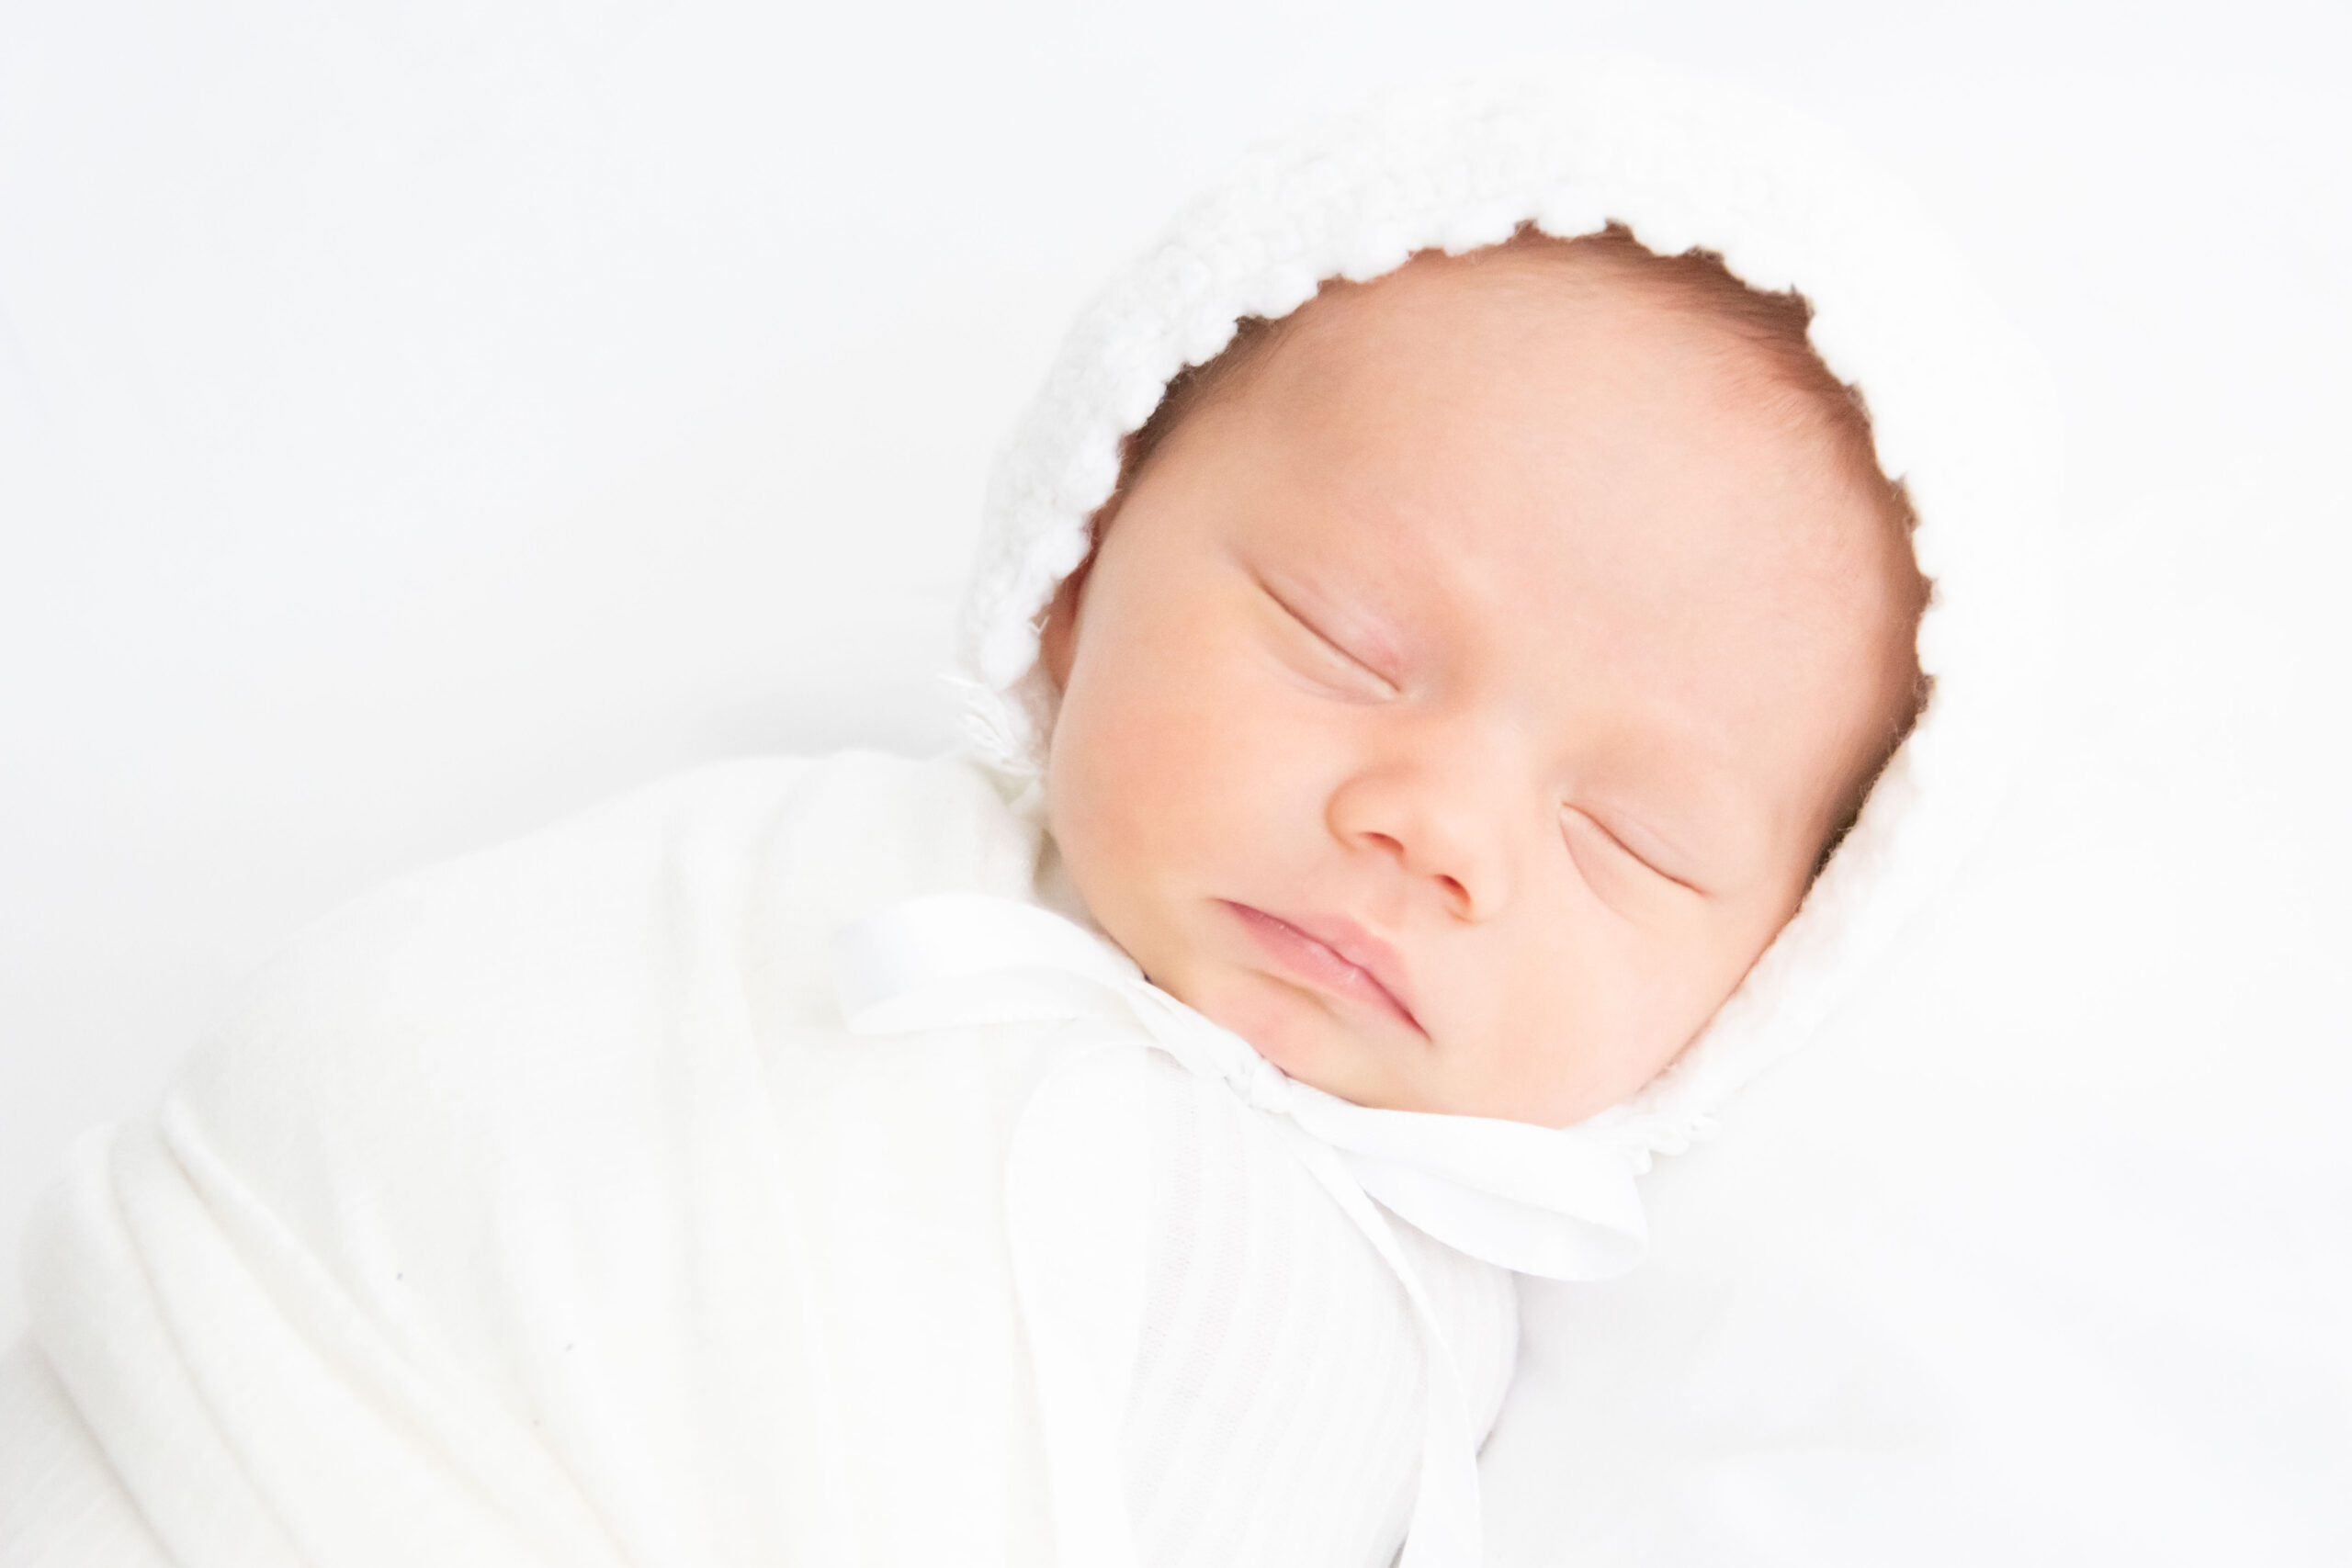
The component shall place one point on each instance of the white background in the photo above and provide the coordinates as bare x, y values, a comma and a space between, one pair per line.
418, 419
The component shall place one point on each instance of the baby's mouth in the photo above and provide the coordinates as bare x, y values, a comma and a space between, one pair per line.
1340, 961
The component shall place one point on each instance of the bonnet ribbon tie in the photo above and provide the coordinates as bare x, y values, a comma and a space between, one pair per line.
1556, 1202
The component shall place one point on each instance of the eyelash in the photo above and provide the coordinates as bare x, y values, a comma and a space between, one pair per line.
1619, 845
1571, 819
1329, 643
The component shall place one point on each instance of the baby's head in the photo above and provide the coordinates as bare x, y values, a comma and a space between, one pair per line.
1473, 668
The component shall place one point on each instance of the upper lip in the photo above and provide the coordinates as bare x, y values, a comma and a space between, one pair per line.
1380, 962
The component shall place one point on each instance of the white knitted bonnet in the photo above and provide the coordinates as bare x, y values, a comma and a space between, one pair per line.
1957, 407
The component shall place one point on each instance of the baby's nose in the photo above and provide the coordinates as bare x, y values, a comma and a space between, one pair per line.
1440, 813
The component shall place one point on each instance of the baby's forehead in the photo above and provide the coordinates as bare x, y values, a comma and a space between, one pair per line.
1577, 334
1697, 350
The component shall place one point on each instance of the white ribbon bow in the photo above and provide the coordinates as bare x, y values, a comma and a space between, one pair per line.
1558, 1204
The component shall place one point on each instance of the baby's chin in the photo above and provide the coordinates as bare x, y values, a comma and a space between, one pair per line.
1298, 1033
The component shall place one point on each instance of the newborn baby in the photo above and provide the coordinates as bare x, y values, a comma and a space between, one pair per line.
1410, 710
1474, 668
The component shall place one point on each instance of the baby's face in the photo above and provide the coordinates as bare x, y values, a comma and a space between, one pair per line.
1459, 700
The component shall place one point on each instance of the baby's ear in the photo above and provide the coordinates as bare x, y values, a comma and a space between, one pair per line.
1057, 639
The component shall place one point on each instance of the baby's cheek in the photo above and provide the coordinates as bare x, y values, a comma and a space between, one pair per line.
1123, 815
1092, 811
1182, 752
1568, 1020
1147, 780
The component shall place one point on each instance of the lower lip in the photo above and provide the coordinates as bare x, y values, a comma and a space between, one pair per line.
1320, 965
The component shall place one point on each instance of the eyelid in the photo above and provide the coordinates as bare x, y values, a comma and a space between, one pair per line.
1326, 639
1618, 838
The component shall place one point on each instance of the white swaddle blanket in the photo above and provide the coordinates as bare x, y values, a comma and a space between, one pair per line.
542, 1208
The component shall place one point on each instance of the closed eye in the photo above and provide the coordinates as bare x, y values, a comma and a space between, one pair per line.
1581, 827
1329, 649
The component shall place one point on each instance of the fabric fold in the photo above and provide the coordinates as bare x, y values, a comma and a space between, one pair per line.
1556, 1202
1520, 1197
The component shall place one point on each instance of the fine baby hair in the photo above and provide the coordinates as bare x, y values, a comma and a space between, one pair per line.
1774, 323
